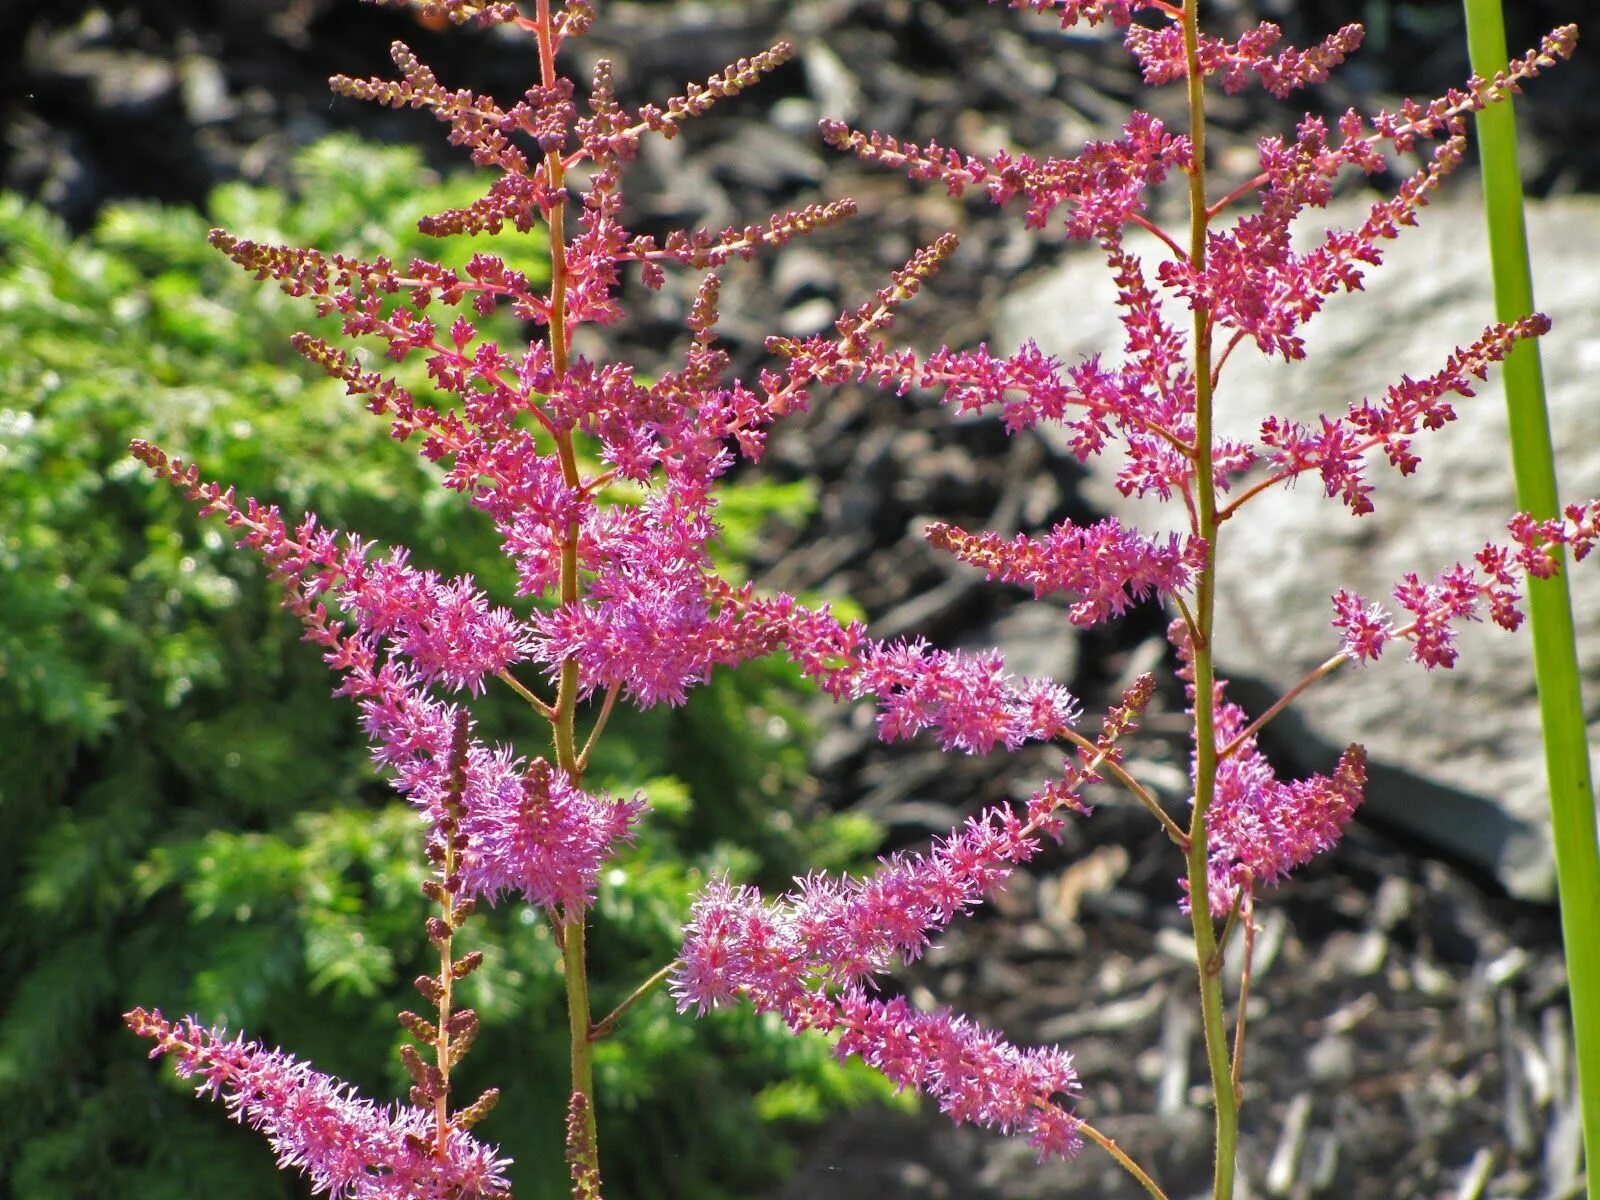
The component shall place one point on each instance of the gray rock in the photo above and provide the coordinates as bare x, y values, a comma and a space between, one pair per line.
1456, 754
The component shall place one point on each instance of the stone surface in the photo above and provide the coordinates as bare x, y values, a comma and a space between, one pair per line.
1456, 754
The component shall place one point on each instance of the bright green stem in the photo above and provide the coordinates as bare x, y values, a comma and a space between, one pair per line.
573, 936
573, 932
1572, 804
1205, 734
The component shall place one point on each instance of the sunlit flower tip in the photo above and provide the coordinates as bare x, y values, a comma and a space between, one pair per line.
318, 1125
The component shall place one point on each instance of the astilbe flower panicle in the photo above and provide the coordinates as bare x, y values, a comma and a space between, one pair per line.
1110, 567
970, 701
1103, 186
1162, 58
811, 954
1338, 448
348, 1147
530, 830
1092, 12
601, 481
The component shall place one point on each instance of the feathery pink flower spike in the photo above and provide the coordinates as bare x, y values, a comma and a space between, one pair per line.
346, 1146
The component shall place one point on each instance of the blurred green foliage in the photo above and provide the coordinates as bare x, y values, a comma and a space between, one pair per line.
189, 818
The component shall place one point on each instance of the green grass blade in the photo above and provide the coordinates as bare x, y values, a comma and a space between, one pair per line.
1572, 804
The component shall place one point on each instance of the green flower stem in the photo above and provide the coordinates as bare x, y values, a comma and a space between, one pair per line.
573, 931
1572, 804
1205, 734
1127, 1164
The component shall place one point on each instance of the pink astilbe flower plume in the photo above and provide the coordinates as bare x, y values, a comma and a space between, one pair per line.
778, 957
529, 830
1337, 450
348, 1147
1161, 56
1108, 566
969, 700
810, 954
1259, 829
1092, 12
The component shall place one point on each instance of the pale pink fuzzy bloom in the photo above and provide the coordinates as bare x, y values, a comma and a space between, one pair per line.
445, 627
740, 947
346, 1146
841, 931
968, 700
647, 624
853, 928
1258, 829
809, 954
447, 630
530, 832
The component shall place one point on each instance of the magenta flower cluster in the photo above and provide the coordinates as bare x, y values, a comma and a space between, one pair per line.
346, 1146
603, 490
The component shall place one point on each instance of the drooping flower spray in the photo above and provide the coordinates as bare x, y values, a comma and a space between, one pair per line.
604, 491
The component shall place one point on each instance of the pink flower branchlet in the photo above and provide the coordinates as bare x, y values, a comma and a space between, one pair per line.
348, 1147
973, 1074
1092, 12
1458, 591
1259, 829
843, 931
1109, 566
970, 701
1160, 54
809, 955
1337, 450
531, 832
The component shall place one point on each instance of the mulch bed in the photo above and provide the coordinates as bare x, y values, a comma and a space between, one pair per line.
1408, 1033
